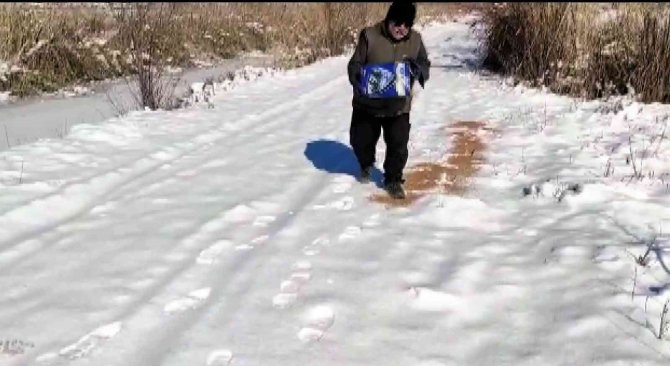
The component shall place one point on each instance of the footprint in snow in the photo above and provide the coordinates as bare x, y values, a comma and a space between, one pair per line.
314, 248
351, 232
372, 221
243, 247
288, 289
191, 301
284, 300
289, 286
254, 242
301, 277
302, 265
104, 208
341, 187
344, 204
263, 220
321, 241
84, 345
317, 321
47, 358
425, 299
311, 251
211, 254
260, 239
220, 357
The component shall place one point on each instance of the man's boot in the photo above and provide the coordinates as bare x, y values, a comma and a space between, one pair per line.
395, 189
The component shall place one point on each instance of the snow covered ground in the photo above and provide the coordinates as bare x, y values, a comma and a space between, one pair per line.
237, 235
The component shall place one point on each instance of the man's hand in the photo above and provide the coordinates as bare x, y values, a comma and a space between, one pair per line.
413, 67
359, 88
414, 71
420, 66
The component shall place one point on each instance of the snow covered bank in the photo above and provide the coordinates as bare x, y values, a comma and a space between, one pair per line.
26, 121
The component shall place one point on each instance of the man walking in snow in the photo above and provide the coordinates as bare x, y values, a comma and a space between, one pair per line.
376, 103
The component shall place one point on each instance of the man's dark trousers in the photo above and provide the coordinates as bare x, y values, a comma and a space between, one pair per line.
364, 133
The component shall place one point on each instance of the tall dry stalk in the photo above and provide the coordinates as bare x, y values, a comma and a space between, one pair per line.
589, 50
148, 28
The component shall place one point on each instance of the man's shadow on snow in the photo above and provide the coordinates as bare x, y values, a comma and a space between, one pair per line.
335, 157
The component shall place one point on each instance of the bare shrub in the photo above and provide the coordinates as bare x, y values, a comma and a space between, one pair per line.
148, 28
48, 48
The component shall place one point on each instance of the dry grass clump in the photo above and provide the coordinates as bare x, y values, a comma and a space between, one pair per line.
48, 51
589, 50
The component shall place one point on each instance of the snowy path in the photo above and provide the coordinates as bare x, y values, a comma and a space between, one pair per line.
239, 236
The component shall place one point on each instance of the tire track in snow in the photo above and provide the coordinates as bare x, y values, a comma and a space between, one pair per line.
229, 296
113, 180
101, 256
163, 330
146, 173
317, 185
318, 319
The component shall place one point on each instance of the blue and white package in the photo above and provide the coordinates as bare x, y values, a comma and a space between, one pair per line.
389, 80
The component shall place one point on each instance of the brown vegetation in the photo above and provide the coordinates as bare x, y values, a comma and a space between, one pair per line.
51, 45
583, 49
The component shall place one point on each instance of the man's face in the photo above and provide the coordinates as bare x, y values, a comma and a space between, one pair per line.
398, 30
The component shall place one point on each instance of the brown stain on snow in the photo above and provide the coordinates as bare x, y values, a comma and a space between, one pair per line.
449, 176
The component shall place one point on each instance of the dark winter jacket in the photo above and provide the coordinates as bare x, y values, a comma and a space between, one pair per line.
375, 46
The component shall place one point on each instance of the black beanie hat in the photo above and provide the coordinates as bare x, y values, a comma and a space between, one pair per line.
401, 12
